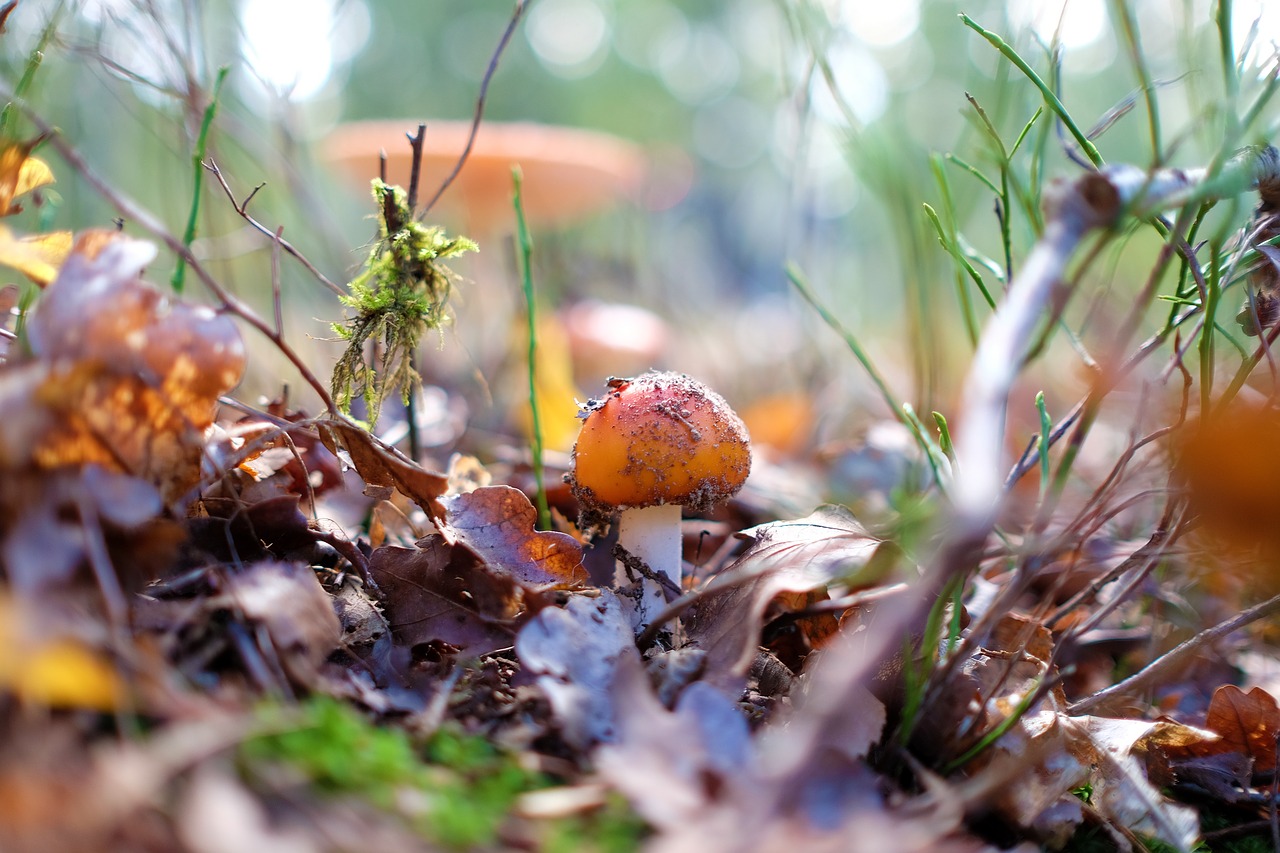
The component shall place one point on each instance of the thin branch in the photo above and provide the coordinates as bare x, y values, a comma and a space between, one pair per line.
1114, 697
516, 14
242, 209
134, 212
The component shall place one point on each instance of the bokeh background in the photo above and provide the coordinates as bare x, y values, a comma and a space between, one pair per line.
773, 132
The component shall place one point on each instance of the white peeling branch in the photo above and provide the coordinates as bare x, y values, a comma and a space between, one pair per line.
1096, 200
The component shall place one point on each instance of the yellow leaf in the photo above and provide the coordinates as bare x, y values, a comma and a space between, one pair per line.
54, 672
11, 159
37, 256
32, 174
66, 674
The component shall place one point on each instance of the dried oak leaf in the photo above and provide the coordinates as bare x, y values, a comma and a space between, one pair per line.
383, 467
440, 601
37, 256
1249, 724
785, 557
573, 653
673, 765
286, 602
124, 375
496, 523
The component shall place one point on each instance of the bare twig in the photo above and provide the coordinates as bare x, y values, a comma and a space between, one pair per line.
242, 209
415, 164
1113, 698
275, 280
516, 14
134, 212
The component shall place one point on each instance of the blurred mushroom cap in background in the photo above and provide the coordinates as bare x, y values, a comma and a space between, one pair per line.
568, 173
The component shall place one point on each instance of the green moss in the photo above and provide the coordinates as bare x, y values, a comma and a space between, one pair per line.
461, 787
402, 292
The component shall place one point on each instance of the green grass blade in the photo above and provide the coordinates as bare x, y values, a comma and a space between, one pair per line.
1050, 97
525, 247
197, 161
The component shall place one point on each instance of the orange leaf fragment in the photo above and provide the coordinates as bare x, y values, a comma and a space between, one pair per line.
37, 256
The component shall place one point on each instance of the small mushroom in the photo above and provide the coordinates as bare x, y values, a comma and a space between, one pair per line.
648, 448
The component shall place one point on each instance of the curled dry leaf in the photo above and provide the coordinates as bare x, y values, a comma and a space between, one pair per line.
124, 375
285, 601
799, 556
674, 765
382, 466
1244, 754
574, 655
1032, 770
496, 523
440, 602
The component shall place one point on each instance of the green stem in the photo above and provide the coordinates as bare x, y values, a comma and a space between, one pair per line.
531, 312
8, 116
1050, 98
197, 161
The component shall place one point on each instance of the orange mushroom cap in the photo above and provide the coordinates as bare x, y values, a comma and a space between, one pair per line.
661, 438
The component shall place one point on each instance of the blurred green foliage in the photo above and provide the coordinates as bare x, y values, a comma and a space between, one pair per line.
805, 129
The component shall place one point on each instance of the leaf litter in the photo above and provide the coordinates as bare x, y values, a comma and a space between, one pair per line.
195, 654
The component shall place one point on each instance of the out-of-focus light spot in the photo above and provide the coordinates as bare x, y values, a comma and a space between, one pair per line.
882, 24
833, 188
1261, 19
755, 28
860, 82
466, 41
351, 28
645, 30
732, 133
289, 44
568, 36
138, 40
699, 68
1077, 23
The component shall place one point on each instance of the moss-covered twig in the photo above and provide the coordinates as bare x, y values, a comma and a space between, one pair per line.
402, 292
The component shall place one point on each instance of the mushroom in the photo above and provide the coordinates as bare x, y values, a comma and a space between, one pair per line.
568, 173
650, 447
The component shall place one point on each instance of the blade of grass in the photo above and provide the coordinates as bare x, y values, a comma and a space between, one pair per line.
1050, 98
1207, 337
1006, 237
972, 170
1046, 429
962, 266
9, 115
1123, 13
944, 433
197, 161
904, 413
531, 312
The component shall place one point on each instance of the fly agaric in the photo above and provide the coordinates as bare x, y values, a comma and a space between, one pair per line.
652, 445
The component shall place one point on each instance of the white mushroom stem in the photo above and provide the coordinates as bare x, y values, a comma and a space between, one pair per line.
652, 535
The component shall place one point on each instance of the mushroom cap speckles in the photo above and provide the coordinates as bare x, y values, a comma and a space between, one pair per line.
661, 438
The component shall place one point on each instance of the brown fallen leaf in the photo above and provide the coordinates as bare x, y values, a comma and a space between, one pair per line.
285, 602
123, 376
794, 557
497, 524
573, 653
383, 467
440, 602
1249, 724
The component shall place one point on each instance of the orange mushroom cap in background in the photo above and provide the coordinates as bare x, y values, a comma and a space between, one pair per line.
569, 173
661, 438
